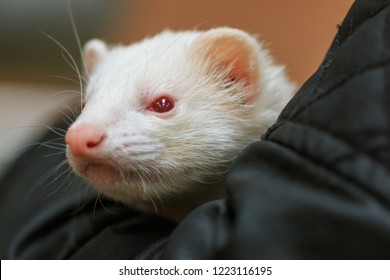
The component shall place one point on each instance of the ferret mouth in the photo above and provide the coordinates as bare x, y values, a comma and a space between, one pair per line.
121, 185
104, 175
99, 174
98, 168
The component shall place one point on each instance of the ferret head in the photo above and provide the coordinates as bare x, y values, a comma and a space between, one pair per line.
165, 117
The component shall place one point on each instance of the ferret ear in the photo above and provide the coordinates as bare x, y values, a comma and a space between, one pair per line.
94, 51
233, 49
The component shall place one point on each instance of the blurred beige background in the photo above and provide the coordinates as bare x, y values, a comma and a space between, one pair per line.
298, 33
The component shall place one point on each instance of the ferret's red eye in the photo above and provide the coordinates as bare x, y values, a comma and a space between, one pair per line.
162, 104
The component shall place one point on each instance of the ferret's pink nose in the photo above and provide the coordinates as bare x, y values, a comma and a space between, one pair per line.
83, 138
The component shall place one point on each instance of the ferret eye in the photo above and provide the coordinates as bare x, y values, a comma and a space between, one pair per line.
162, 104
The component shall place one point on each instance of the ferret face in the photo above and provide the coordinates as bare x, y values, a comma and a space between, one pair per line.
166, 116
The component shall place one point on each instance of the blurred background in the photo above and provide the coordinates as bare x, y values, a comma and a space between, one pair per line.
37, 83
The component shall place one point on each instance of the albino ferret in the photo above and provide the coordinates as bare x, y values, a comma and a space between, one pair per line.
165, 117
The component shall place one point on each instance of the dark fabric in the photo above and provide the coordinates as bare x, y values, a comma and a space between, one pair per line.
317, 186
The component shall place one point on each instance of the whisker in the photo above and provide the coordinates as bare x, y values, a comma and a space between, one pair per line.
159, 198
8, 130
95, 206
68, 119
154, 204
65, 105
64, 92
40, 182
85, 80
77, 37
104, 207
55, 130
61, 186
55, 154
59, 175
40, 145
63, 78
69, 55
74, 68
53, 141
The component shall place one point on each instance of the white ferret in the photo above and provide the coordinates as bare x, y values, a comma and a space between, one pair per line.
164, 118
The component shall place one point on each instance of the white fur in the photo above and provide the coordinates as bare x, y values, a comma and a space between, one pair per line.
180, 157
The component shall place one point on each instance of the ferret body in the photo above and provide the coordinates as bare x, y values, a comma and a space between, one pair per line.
165, 117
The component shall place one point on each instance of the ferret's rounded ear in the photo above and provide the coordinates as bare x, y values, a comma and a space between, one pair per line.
235, 50
94, 51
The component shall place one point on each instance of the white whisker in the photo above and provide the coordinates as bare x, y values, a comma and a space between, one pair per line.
55, 154
76, 34
72, 60
71, 65
40, 182
63, 78
104, 207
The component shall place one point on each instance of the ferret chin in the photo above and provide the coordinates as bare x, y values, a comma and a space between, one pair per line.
165, 117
